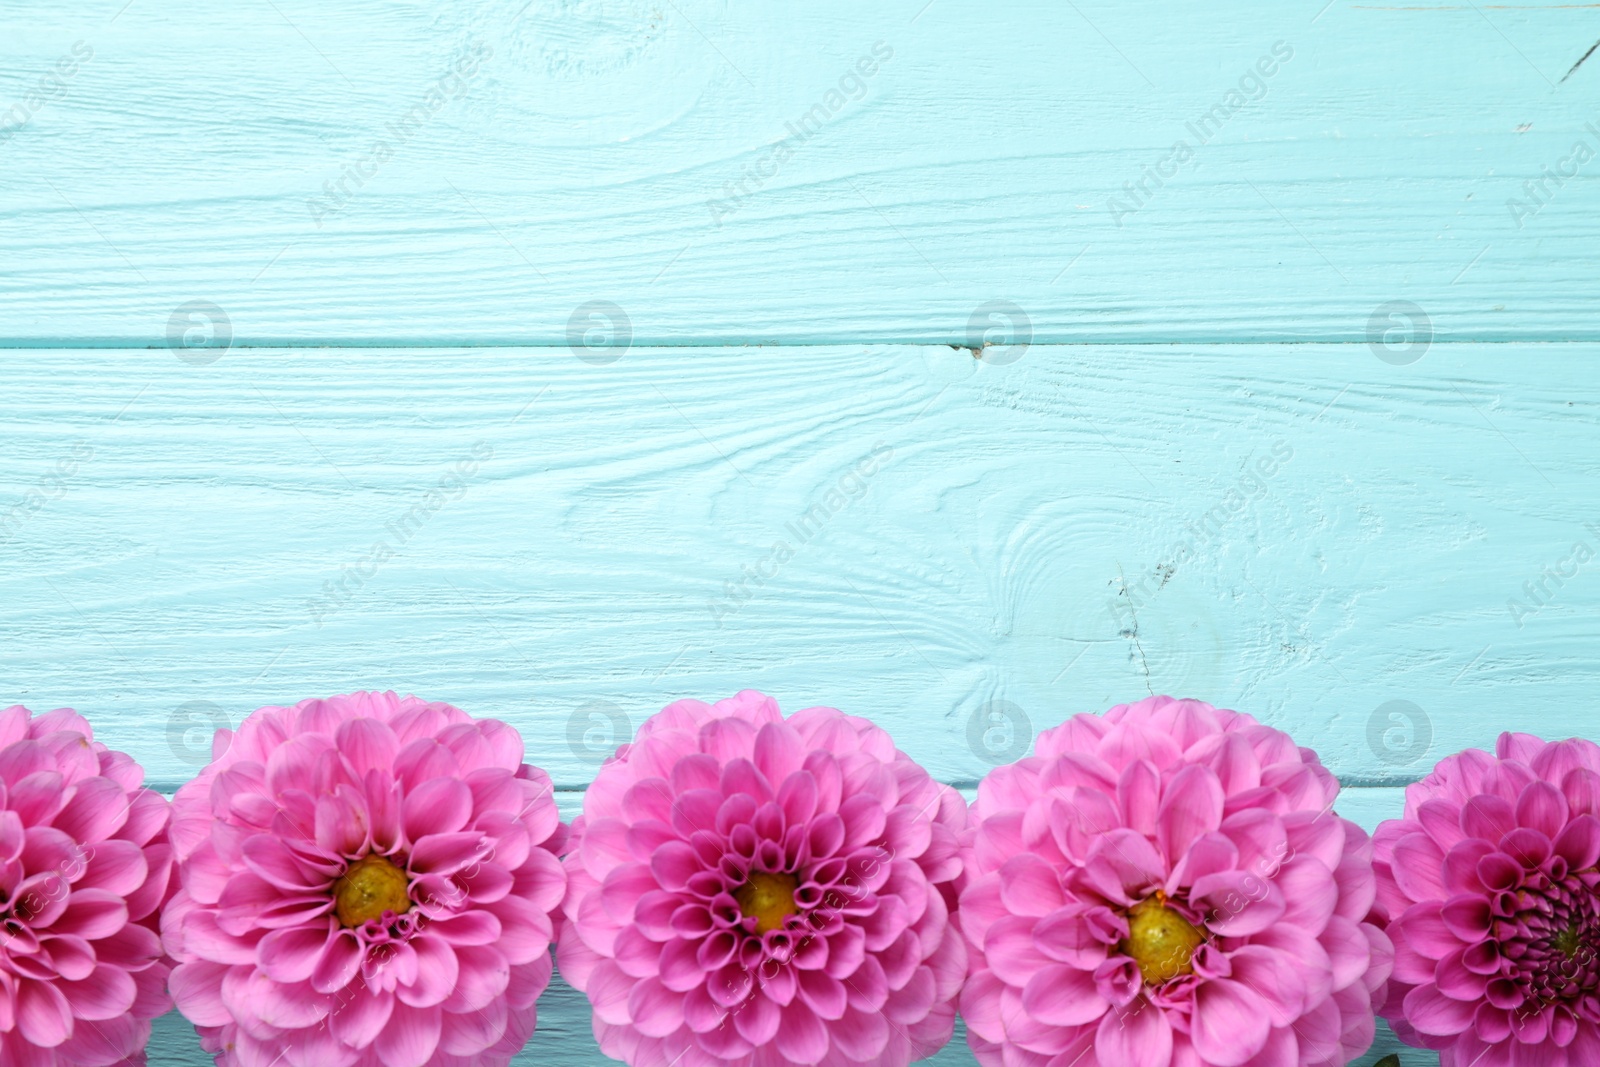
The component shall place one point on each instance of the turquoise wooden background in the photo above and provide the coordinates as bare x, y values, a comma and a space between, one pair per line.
581, 306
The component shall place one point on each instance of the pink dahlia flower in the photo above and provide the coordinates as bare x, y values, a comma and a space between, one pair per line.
368, 881
84, 867
1493, 900
752, 890
1166, 885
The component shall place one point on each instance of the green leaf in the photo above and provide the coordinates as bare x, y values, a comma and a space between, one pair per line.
1391, 1060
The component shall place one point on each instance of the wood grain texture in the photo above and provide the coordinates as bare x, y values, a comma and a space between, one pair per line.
325, 174
1078, 527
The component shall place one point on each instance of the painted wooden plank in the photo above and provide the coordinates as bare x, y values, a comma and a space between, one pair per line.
454, 172
965, 551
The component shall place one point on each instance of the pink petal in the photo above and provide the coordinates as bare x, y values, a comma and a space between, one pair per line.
1431, 1012
778, 752
92, 914
97, 810
117, 867
360, 1018
1230, 1022
1063, 996
104, 994
802, 1036
1418, 866
1029, 886
292, 954
437, 971
1239, 903
437, 806
525, 931
1579, 842
1488, 816
1423, 928
197, 989
674, 864
43, 1015
446, 854
1137, 1037
757, 1019
1191, 805
337, 966
410, 1038
1541, 807
861, 1036
655, 1010
367, 745
482, 976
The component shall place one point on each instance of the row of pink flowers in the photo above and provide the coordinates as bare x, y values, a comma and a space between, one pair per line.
377, 881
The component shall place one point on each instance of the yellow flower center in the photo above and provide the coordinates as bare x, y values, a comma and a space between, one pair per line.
369, 888
768, 897
1160, 940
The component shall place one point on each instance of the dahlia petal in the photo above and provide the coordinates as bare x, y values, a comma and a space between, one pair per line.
105, 993
423, 760
437, 972
1067, 936
1309, 893
797, 796
1541, 807
1488, 816
653, 1008
801, 1035
1211, 853
482, 976
338, 963
197, 989
674, 864
861, 1036
824, 994
1191, 805
525, 931
777, 752
1456, 981
470, 1034
1466, 917
118, 867
1528, 846
1460, 868
437, 806
1230, 1022
1139, 1037
757, 1019
1581, 787
38, 798
1238, 903
446, 854
1012, 953
292, 954
1418, 863
410, 1037
696, 810
44, 1015
1347, 948
1579, 842
1282, 1049
1431, 1012
272, 861
114, 1042
1028, 886
92, 914
1063, 996
71, 957
366, 745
